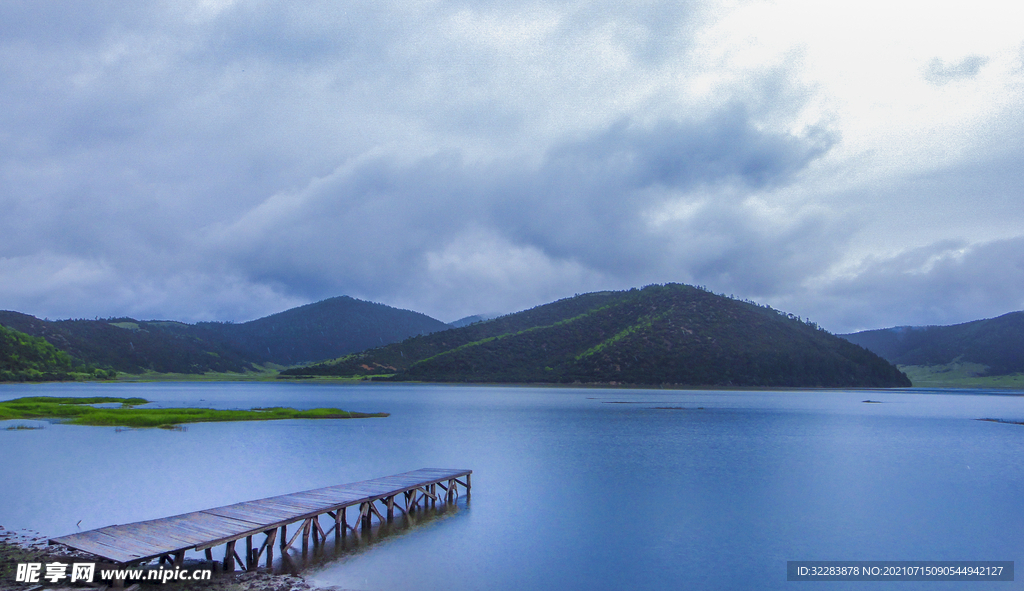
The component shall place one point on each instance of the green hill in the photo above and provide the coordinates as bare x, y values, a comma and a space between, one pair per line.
131, 346
323, 330
24, 358
662, 334
991, 347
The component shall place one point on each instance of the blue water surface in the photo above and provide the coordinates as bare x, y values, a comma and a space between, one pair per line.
573, 488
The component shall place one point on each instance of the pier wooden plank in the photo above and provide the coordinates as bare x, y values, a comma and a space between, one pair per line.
93, 543
103, 551
212, 524
200, 530
168, 531
298, 507
123, 545
326, 496
159, 537
258, 514
346, 498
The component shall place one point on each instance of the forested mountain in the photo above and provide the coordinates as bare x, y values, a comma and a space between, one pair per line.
323, 330
24, 358
131, 346
996, 343
662, 334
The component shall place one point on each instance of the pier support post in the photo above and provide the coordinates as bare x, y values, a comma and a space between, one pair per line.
318, 531
271, 537
248, 553
229, 557
364, 515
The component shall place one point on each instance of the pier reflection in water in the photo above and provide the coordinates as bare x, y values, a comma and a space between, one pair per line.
297, 560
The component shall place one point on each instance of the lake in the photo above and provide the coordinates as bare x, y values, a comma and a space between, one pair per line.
573, 488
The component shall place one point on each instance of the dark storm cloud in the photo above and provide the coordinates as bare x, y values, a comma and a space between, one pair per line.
588, 203
588, 199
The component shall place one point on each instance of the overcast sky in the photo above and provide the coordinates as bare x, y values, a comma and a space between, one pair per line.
858, 163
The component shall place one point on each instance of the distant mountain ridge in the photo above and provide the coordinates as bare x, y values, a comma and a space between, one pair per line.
323, 330
662, 334
470, 320
996, 343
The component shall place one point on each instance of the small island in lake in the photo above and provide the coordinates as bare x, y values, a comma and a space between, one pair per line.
80, 411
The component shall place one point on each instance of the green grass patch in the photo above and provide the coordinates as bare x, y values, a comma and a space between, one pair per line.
640, 326
506, 335
353, 379
79, 411
960, 375
265, 375
126, 325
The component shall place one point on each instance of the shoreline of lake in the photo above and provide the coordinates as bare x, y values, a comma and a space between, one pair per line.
31, 547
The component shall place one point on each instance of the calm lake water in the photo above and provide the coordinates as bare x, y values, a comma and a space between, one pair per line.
572, 488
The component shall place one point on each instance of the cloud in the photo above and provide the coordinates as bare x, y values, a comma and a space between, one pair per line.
581, 217
940, 72
224, 160
42, 285
947, 282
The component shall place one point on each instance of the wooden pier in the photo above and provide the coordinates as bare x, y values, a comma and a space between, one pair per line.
169, 538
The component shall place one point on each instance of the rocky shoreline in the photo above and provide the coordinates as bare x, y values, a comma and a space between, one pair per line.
27, 546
